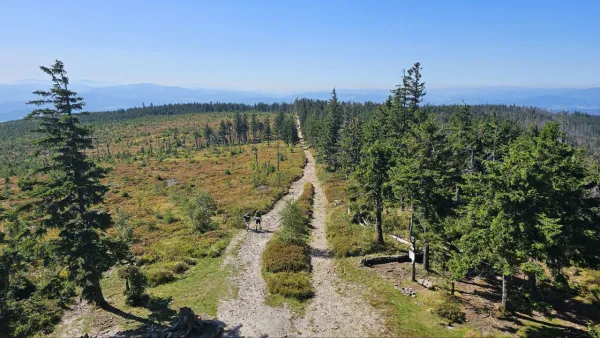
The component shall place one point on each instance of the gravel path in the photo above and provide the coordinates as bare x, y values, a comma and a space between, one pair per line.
248, 315
337, 310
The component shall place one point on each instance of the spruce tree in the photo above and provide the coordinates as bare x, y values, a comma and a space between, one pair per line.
372, 176
268, 131
351, 145
331, 137
425, 177
69, 197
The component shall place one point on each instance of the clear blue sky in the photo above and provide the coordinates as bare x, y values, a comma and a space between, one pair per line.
305, 45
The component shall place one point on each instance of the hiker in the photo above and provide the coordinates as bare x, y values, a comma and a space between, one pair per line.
257, 220
247, 220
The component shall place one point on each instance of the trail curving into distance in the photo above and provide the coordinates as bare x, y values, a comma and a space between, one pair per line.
337, 309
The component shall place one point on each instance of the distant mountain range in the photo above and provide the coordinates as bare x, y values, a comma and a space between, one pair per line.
101, 96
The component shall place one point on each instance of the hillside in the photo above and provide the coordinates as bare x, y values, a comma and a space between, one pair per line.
103, 97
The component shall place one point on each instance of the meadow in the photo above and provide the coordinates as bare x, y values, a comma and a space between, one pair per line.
149, 191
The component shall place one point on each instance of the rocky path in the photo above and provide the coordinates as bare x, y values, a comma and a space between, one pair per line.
337, 310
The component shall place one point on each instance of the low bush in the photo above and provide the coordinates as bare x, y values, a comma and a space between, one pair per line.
180, 267
135, 285
158, 277
348, 239
449, 308
280, 257
199, 210
286, 260
305, 201
294, 225
290, 284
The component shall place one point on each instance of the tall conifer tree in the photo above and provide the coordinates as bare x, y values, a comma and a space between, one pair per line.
70, 194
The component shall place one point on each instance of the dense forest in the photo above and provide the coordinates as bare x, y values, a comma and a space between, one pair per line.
493, 190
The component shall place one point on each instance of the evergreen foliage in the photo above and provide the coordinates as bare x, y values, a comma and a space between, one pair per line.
68, 198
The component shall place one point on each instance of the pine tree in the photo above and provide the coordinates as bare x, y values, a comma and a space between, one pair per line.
70, 194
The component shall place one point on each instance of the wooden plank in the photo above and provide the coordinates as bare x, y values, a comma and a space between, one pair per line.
401, 240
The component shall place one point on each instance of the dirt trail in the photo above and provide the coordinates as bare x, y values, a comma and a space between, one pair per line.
337, 310
248, 315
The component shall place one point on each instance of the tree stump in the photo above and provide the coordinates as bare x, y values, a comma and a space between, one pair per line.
186, 323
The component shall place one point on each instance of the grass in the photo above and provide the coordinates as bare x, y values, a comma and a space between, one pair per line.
404, 316
347, 239
286, 260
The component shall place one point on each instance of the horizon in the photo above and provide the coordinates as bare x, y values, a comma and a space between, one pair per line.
296, 47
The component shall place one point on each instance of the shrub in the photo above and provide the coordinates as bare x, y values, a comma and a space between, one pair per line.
124, 229
348, 239
279, 257
227, 172
26, 183
305, 201
290, 284
169, 218
180, 267
27, 317
147, 259
594, 330
198, 211
158, 277
294, 225
449, 308
135, 285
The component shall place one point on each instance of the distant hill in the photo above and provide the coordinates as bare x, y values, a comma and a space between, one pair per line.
101, 96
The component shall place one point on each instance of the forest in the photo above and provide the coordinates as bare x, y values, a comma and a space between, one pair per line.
490, 190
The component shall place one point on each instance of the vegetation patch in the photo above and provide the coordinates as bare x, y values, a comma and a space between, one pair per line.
291, 284
286, 260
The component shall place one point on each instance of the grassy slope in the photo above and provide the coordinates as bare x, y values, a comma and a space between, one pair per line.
151, 190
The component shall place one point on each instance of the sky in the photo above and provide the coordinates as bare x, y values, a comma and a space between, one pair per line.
304, 45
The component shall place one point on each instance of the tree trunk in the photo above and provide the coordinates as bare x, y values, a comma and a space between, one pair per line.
97, 296
504, 291
414, 270
532, 280
426, 258
378, 223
